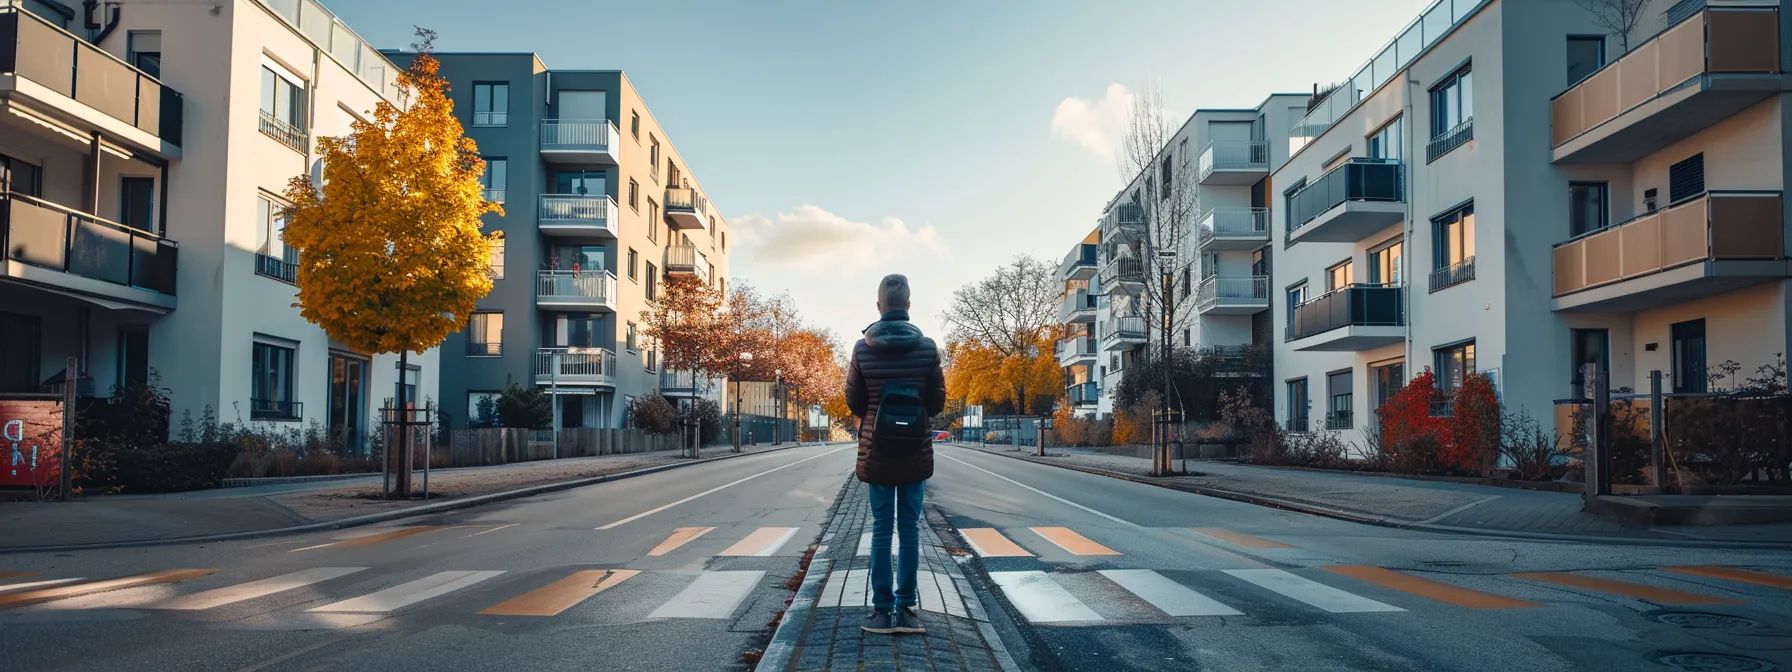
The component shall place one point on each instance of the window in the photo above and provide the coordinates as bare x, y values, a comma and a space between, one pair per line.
485, 335
653, 157
1454, 236
1686, 179
1384, 264
1260, 262
1588, 207
133, 356
1340, 276
1188, 337
1167, 171
1296, 295
20, 177
1297, 406
270, 390
1386, 378
272, 257
491, 104
495, 178
634, 198
583, 330
634, 124
1452, 102
1688, 351
1586, 55
1339, 409
1386, 143
1454, 363
1590, 346
653, 283
497, 259
348, 398
137, 202
652, 363
631, 263
283, 106
724, 241
632, 346
145, 51
653, 220
1210, 266
482, 409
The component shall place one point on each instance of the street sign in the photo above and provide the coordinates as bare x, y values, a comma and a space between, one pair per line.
973, 417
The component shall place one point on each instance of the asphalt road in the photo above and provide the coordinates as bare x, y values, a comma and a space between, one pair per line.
680, 570
1118, 575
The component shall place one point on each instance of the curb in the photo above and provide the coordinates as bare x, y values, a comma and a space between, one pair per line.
1400, 524
783, 646
357, 521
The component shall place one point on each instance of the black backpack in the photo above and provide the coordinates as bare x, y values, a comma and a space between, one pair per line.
901, 428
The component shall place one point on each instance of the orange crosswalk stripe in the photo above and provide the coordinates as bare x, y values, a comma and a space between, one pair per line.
989, 543
1427, 588
1734, 574
30, 597
680, 537
1625, 588
1245, 540
1073, 542
13, 575
561, 595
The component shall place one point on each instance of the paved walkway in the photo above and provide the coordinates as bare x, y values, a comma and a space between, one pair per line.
135, 518
1437, 505
826, 634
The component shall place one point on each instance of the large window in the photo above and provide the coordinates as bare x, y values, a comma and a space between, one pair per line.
485, 335
584, 330
1386, 378
495, 177
634, 194
270, 389
283, 106
653, 282
491, 104
633, 335
1453, 247
1589, 207
1688, 351
137, 202
1340, 405
1340, 276
20, 177
1586, 55
348, 399
653, 220
1384, 264
1298, 405
1454, 363
1452, 102
272, 257
631, 263
1386, 142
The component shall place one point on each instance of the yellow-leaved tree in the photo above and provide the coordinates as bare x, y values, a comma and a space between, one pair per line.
391, 257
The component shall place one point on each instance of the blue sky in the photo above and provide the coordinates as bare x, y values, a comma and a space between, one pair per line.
845, 140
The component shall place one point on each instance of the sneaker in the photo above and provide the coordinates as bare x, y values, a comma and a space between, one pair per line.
878, 623
909, 621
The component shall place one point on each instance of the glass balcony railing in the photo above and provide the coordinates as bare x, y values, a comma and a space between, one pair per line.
43, 234
1353, 306
1355, 180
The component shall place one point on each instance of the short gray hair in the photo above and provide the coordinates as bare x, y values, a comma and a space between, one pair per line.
892, 292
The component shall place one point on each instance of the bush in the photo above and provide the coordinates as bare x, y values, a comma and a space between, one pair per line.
1132, 424
708, 414
653, 414
1412, 439
1069, 430
1474, 427
525, 407
1532, 452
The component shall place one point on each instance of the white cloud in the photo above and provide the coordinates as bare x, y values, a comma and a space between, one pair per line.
812, 238
1095, 124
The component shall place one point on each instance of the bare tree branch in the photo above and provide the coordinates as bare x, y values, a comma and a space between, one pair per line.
1618, 16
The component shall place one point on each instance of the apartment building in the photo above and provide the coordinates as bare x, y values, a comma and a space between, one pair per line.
599, 211
1201, 216
1502, 189
143, 150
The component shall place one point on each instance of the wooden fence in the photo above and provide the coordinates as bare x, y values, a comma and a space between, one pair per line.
484, 447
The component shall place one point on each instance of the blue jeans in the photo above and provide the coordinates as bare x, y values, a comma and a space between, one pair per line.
898, 506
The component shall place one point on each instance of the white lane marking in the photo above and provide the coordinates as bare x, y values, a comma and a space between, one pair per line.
1042, 492
469, 536
1311, 592
857, 591
762, 542
279, 543
36, 584
1040, 599
865, 544
658, 509
1168, 596
254, 589
1459, 509
712, 595
400, 596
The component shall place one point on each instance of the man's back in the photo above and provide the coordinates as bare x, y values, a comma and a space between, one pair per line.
893, 350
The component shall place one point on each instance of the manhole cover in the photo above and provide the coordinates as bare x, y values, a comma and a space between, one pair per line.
1714, 662
1703, 621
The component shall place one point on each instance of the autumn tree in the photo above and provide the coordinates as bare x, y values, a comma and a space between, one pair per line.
1000, 336
1026, 380
391, 257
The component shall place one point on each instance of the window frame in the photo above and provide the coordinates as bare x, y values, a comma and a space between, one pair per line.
1332, 396
1605, 207
632, 263
282, 363
1378, 389
494, 118
1444, 354
1379, 252
1461, 218
489, 177
1569, 51
1331, 275
634, 125
495, 265
634, 195
1300, 410
479, 329
1456, 92
1382, 139
633, 336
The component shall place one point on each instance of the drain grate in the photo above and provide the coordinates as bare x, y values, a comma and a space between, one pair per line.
1714, 662
1703, 621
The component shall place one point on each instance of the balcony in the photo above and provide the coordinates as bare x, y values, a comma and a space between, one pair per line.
1122, 333
62, 81
1083, 394
1354, 318
279, 268
1121, 273
1349, 203
591, 141
1233, 295
576, 290
686, 209
1079, 264
1234, 229
1078, 306
1074, 351
686, 260
576, 367
51, 246
576, 216
682, 383
1452, 275
1123, 216
1708, 245
276, 410
1712, 64
287, 134
1233, 163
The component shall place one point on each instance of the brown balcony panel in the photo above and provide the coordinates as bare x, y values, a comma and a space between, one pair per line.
45, 56
1747, 227
1744, 41
105, 84
1640, 244
1570, 266
1602, 261
1683, 234
1705, 246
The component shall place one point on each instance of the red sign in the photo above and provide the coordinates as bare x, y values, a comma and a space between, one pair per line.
31, 435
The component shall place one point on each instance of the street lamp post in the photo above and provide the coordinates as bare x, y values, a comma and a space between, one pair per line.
778, 403
746, 358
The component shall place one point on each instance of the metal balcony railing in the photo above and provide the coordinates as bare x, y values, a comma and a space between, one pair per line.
577, 134
282, 269
1356, 180
1233, 155
1340, 420
278, 129
1232, 290
1450, 139
47, 235
273, 409
1422, 32
56, 59
1454, 274
576, 208
1353, 306
684, 199
1230, 222
575, 365
492, 349
687, 259
597, 286
1123, 270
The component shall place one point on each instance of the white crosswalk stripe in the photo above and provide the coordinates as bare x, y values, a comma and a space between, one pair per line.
852, 588
1311, 592
1168, 596
254, 589
1040, 599
865, 544
35, 584
404, 595
712, 595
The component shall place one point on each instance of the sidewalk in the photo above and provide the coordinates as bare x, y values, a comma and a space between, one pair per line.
821, 629
119, 519
1398, 502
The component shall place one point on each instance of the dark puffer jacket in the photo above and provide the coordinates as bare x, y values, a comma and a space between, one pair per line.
893, 350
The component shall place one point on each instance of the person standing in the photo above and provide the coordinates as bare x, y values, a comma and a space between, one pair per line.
893, 386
